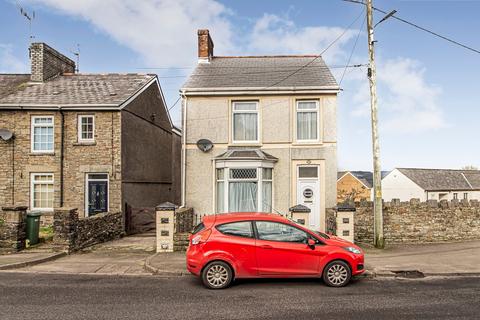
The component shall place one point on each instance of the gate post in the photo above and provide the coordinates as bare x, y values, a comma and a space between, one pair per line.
300, 214
345, 222
165, 225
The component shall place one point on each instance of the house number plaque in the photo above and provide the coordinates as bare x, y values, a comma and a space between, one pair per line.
164, 220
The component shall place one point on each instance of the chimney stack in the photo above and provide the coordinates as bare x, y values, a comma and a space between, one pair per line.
205, 46
47, 62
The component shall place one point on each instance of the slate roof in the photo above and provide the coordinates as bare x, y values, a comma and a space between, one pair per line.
261, 73
71, 89
366, 177
246, 154
443, 179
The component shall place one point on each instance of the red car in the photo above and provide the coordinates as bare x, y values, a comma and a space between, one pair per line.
263, 245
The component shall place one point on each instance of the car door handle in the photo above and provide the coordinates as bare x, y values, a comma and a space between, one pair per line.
266, 246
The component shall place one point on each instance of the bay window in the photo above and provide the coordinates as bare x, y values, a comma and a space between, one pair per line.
244, 189
245, 121
307, 121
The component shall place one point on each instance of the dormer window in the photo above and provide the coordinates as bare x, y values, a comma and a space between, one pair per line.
245, 122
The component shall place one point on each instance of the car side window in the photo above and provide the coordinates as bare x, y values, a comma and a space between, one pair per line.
239, 229
274, 231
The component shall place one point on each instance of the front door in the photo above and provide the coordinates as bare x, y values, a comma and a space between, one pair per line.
97, 193
308, 193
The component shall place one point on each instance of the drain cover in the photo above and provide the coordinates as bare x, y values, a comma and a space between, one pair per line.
412, 274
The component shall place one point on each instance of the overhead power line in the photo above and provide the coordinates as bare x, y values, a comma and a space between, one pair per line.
325, 50
353, 50
420, 27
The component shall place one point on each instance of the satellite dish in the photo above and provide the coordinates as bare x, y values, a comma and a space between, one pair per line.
6, 134
205, 145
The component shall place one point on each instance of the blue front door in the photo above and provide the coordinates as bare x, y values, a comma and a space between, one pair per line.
97, 197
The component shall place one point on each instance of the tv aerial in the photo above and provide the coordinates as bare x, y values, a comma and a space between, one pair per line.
30, 16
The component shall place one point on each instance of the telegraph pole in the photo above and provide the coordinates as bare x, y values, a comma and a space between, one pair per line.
377, 173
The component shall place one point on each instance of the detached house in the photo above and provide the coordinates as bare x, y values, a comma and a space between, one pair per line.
431, 184
259, 134
95, 142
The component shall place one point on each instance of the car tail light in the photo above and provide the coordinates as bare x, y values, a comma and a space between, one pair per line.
201, 237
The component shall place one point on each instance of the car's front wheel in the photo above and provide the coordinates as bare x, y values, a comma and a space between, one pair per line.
337, 274
217, 275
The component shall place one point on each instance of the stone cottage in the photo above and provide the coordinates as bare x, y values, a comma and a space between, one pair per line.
95, 142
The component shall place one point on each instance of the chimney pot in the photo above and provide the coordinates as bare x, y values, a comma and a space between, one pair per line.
205, 46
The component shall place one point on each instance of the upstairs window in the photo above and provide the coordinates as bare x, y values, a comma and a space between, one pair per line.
42, 135
307, 121
245, 121
86, 128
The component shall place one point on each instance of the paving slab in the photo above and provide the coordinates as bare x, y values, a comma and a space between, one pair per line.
167, 264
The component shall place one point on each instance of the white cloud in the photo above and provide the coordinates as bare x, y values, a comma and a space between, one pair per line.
9, 63
275, 34
407, 102
163, 32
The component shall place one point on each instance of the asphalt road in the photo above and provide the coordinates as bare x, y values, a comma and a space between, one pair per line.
51, 296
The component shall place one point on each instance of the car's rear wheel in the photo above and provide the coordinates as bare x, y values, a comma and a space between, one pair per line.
337, 274
217, 275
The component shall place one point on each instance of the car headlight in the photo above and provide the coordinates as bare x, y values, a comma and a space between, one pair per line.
352, 250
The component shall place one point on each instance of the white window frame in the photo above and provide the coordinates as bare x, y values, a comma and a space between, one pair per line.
317, 110
33, 125
87, 180
259, 180
79, 128
256, 111
32, 189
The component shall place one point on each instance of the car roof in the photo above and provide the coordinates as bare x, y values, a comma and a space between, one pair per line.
239, 216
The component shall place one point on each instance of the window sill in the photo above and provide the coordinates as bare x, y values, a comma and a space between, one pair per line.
245, 144
86, 143
42, 153
302, 143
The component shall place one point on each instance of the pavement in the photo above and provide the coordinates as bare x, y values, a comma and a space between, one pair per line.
443, 259
61, 296
125, 256
135, 255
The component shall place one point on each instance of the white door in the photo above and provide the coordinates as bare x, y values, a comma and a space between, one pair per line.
308, 193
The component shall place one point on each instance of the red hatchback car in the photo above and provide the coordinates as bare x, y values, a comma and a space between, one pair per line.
263, 245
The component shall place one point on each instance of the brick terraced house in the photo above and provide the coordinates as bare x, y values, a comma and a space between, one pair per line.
95, 142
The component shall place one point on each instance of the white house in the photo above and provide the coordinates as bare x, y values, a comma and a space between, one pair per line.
431, 184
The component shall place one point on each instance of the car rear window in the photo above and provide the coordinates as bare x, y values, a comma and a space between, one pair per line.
199, 227
239, 229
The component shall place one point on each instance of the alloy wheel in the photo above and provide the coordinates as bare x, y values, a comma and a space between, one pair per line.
337, 274
217, 276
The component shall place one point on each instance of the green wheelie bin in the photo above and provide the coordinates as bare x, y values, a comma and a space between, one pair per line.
33, 226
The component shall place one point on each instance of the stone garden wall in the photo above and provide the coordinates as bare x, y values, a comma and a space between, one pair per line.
73, 234
12, 229
420, 222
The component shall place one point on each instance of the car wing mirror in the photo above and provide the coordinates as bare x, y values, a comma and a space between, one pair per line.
311, 243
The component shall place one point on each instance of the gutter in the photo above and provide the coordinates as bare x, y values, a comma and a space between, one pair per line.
246, 92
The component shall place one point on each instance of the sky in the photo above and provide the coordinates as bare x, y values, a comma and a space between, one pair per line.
429, 91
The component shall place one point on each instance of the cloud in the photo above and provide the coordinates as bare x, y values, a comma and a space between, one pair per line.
9, 63
162, 32
407, 102
274, 34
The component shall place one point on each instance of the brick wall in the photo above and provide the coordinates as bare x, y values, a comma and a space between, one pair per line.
18, 162
72, 233
12, 229
419, 222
